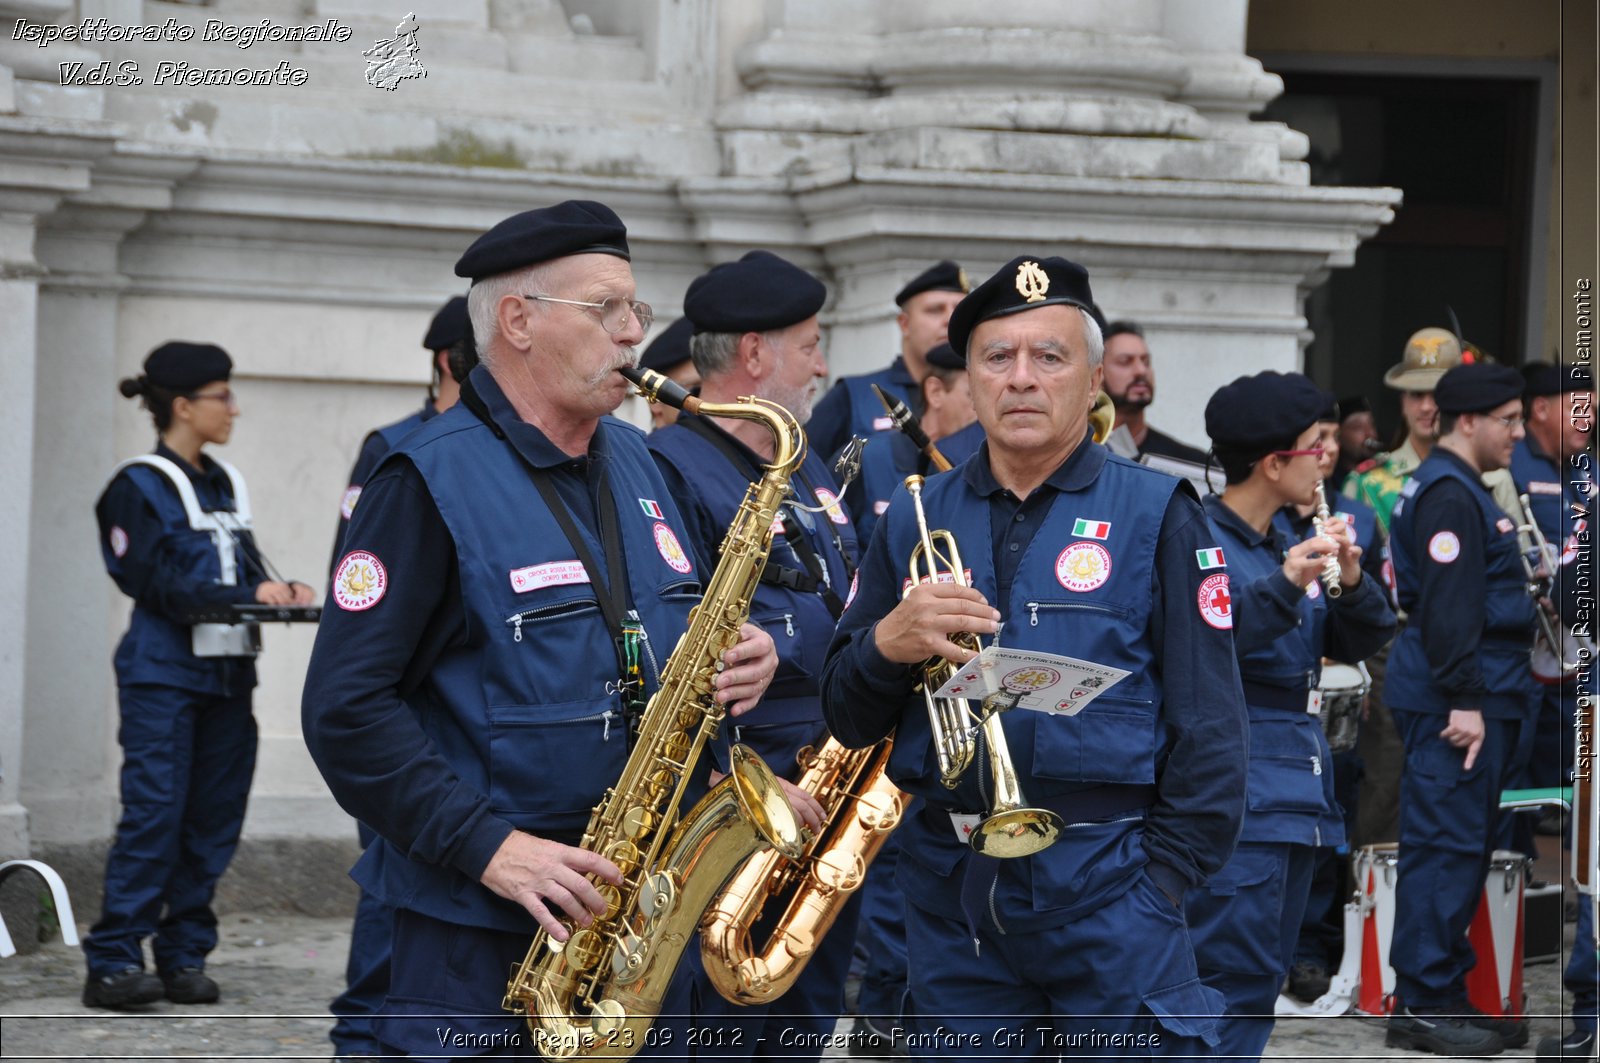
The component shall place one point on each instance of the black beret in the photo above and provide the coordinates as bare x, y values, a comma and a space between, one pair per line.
1330, 409
1261, 413
1476, 388
943, 276
576, 227
1025, 283
1546, 379
448, 326
669, 349
944, 356
1353, 404
182, 367
759, 292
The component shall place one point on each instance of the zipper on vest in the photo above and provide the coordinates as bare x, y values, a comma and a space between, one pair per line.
515, 620
1093, 607
1316, 765
788, 624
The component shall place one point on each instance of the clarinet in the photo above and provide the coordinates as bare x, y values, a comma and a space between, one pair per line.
1330, 563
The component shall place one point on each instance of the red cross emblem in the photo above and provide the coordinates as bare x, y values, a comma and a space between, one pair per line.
1216, 604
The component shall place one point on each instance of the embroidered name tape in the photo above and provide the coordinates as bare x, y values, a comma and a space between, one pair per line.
549, 574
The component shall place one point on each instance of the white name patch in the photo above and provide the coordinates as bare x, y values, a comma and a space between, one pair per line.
549, 574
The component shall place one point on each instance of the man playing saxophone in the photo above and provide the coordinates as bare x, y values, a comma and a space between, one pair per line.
513, 583
1081, 947
756, 334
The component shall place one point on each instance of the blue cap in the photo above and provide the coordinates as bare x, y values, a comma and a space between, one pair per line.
1027, 282
758, 293
576, 227
944, 356
181, 367
1265, 412
669, 349
1546, 379
448, 326
944, 276
1477, 387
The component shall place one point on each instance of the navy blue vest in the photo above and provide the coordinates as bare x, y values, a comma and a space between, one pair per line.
799, 622
885, 463
522, 711
1118, 738
1509, 612
156, 650
392, 434
1289, 792
867, 415
1558, 497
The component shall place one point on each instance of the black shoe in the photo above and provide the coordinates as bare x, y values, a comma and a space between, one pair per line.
1577, 1044
1513, 1033
122, 989
1308, 981
189, 985
1439, 1030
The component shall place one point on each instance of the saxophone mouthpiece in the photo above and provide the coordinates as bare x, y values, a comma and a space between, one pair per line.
658, 388
903, 418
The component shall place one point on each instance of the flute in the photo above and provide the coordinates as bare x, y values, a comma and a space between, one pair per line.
1330, 562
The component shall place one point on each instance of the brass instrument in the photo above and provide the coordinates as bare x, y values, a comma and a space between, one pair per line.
1010, 828
1330, 563
1552, 633
861, 808
598, 992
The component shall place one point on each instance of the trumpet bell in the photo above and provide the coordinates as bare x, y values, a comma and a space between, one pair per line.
1017, 833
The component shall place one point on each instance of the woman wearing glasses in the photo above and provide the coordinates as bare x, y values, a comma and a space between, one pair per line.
1280, 601
175, 533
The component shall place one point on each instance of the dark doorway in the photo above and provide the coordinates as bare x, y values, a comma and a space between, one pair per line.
1462, 150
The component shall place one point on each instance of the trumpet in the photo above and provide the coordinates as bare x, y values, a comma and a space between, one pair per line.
1539, 586
1010, 828
1330, 563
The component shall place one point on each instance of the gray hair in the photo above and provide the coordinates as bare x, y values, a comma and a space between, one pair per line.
483, 300
1093, 340
713, 352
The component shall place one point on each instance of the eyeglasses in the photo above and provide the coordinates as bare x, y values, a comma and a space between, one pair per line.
225, 396
1512, 423
614, 311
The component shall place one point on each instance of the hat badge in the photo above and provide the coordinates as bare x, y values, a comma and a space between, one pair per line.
961, 279
1032, 282
1428, 348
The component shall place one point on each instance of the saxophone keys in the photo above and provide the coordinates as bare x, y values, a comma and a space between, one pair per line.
607, 1018
638, 821
657, 894
878, 812
840, 869
584, 949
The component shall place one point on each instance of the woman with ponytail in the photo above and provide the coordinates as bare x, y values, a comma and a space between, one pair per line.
175, 534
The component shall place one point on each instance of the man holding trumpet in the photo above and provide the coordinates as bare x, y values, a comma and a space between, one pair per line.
1082, 945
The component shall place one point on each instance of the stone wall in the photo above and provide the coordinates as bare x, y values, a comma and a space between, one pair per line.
310, 229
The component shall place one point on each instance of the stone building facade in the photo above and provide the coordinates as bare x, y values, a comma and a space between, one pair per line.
310, 228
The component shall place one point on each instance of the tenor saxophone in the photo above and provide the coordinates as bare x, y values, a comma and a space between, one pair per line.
861, 808
598, 992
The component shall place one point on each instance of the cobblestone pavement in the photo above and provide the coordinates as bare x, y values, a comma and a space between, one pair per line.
279, 972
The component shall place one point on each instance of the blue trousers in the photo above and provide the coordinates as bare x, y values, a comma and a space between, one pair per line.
1119, 982
1322, 928
1448, 826
366, 972
1244, 922
187, 761
797, 1024
881, 937
446, 984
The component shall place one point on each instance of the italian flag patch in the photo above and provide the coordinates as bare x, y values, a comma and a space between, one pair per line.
1209, 558
651, 509
1091, 529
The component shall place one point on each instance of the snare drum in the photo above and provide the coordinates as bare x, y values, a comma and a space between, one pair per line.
1376, 867
1494, 985
1344, 687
